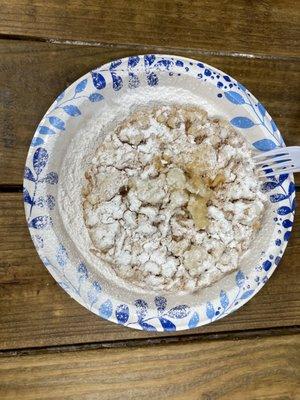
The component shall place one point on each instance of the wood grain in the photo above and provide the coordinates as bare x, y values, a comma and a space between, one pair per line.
40, 325
251, 369
226, 26
32, 75
35, 311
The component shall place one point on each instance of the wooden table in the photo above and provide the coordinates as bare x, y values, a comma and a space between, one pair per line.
51, 347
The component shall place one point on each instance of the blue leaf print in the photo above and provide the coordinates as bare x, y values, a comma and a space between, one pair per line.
224, 299
48, 201
268, 171
273, 125
242, 87
122, 313
98, 80
62, 255
60, 96
275, 198
94, 97
26, 196
63, 285
179, 63
272, 178
287, 235
161, 303
264, 145
268, 186
266, 265
261, 109
179, 311
82, 271
210, 311
117, 81
44, 130
294, 204
284, 210
46, 262
115, 64
41, 222
93, 293
276, 261
37, 141
72, 110
287, 223
247, 294
134, 81
240, 279
92, 297
28, 174
57, 123
97, 286
194, 321
234, 97
81, 86
164, 63
291, 188
106, 309
51, 178
149, 59
146, 326
242, 122
133, 61
152, 79
283, 177
167, 325
40, 159
38, 241
141, 308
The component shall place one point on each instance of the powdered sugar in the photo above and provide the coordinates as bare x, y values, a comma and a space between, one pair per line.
171, 199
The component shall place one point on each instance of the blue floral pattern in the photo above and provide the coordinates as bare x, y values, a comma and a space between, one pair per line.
41, 176
34, 175
244, 97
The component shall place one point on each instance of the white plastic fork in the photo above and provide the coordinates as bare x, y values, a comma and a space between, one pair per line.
281, 160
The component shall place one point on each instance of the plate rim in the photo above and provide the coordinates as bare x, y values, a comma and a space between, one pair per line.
79, 299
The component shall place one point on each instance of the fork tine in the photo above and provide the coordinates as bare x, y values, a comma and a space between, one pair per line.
275, 171
266, 154
272, 161
278, 166
271, 153
287, 161
268, 174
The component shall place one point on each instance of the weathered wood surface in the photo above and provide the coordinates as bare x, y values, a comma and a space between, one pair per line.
261, 27
255, 42
35, 311
248, 369
32, 74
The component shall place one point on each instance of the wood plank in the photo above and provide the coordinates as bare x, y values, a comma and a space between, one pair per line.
35, 311
32, 74
235, 26
191, 371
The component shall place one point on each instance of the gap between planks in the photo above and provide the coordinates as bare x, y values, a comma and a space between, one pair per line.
11, 188
142, 48
188, 338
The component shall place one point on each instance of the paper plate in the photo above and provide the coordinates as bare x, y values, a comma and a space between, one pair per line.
103, 89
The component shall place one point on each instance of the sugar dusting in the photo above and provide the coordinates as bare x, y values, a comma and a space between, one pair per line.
148, 212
